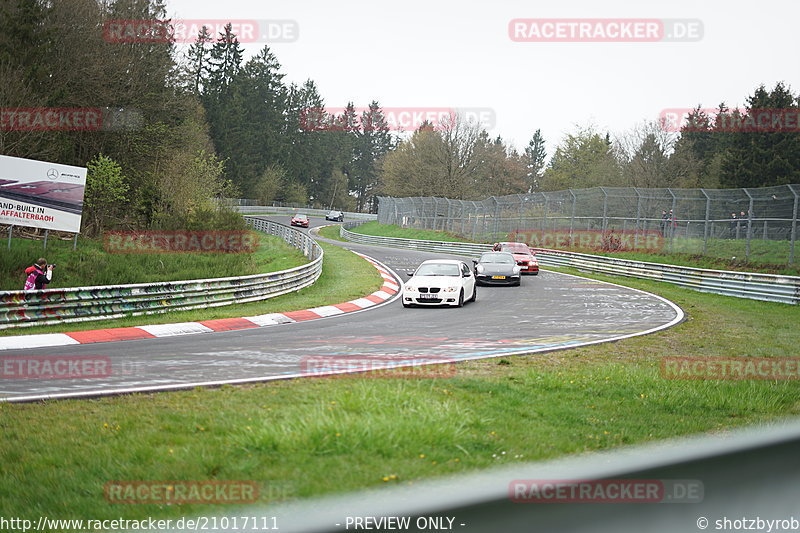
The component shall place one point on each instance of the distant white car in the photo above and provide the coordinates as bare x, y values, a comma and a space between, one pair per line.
440, 282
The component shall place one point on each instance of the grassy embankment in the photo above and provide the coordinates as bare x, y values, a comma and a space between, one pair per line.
317, 436
345, 276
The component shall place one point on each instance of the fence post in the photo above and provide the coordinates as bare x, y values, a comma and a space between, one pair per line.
474, 219
605, 209
11, 229
496, 218
794, 225
572, 220
638, 219
749, 223
705, 228
674, 215
544, 219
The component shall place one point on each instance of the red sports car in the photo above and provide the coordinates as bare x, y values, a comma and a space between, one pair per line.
523, 255
300, 220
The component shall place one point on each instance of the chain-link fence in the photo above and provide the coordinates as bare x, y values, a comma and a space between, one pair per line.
757, 224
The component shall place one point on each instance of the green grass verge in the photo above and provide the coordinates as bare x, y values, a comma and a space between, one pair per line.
331, 232
345, 276
318, 436
390, 230
91, 265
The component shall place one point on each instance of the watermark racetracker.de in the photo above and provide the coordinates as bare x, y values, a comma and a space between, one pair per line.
606, 491
396, 119
766, 120
181, 492
379, 366
187, 30
24, 367
605, 30
601, 240
211, 241
731, 368
70, 119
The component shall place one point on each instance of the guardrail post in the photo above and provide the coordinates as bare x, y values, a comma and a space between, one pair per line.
794, 225
749, 223
11, 229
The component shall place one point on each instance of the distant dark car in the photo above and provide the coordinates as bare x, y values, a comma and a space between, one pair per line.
336, 216
497, 268
300, 220
523, 255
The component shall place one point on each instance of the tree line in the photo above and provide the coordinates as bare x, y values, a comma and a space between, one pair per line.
211, 124
208, 124
719, 148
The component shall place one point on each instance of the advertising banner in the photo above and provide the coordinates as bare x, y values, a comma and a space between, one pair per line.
41, 194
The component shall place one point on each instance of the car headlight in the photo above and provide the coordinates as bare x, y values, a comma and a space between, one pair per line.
450, 289
410, 288
517, 270
480, 269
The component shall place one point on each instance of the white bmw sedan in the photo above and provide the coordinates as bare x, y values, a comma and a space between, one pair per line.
440, 282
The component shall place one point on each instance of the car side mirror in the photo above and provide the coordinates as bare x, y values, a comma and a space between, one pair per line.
466, 274
409, 273
474, 261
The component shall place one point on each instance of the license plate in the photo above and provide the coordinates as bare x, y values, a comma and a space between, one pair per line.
498, 277
431, 296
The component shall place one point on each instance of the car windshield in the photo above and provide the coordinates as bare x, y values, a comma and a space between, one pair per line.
502, 259
438, 269
300, 217
516, 247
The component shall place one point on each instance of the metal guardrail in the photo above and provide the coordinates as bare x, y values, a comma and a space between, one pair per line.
80, 304
752, 285
293, 210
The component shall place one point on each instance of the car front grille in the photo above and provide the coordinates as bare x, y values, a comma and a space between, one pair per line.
433, 290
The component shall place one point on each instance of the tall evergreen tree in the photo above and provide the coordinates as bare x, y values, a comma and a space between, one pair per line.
535, 154
198, 58
765, 156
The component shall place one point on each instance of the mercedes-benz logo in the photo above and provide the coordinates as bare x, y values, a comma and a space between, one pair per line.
52, 174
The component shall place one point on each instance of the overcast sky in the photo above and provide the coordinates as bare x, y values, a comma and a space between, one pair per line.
444, 53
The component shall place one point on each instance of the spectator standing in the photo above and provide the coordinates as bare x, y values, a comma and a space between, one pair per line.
39, 275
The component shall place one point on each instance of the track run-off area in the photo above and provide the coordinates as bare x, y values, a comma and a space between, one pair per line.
548, 312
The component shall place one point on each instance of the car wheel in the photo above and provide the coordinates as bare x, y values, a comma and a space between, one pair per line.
474, 293
460, 299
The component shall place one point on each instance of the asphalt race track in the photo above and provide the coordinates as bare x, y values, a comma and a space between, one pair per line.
549, 311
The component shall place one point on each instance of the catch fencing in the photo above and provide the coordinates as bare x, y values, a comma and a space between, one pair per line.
80, 304
291, 211
755, 286
759, 223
